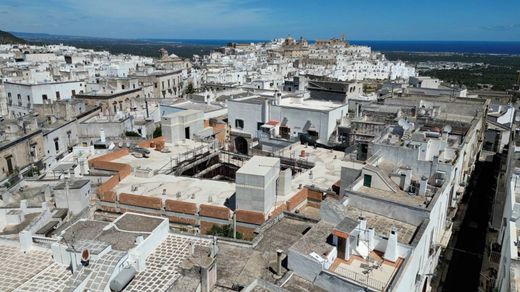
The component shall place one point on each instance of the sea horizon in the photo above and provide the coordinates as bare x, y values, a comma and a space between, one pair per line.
416, 46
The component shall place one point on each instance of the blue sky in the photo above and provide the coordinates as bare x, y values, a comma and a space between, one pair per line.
250, 19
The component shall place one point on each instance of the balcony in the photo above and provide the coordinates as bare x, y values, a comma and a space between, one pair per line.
374, 273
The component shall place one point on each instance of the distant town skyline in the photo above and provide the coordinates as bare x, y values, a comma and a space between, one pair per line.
478, 20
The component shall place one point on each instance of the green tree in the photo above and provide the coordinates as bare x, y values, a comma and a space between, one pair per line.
189, 89
224, 231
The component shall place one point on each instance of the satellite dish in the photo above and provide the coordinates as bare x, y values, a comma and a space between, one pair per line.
406, 126
402, 122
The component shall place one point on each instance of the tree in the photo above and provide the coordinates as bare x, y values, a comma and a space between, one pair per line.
189, 89
224, 231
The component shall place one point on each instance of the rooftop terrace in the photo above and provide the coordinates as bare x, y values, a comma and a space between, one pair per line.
187, 189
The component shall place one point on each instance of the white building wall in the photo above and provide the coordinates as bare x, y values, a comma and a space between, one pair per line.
26, 95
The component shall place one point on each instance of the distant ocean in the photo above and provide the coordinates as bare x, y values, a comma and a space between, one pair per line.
477, 47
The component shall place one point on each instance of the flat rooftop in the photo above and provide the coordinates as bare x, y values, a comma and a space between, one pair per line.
138, 223
158, 160
242, 265
76, 184
258, 165
163, 264
383, 225
374, 272
201, 106
398, 197
327, 167
18, 268
182, 188
310, 104
123, 238
315, 240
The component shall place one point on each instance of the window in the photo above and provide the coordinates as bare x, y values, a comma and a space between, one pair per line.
32, 152
122, 86
162, 83
57, 95
28, 98
44, 97
155, 84
367, 180
73, 92
9, 94
19, 96
57, 144
168, 83
239, 124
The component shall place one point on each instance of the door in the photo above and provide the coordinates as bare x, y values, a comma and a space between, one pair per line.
367, 180
342, 243
10, 168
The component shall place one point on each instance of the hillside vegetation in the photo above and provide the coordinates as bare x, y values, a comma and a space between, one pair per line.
7, 38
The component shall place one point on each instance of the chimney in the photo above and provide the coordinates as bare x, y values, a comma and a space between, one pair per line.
362, 228
279, 254
102, 136
208, 274
423, 186
435, 164
391, 247
371, 238
266, 111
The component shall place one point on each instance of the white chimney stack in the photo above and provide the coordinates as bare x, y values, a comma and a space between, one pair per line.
391, 247
102, 136
362, 228
423, 186
371, 239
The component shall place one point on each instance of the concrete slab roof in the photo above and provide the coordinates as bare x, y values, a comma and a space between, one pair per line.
347, 225
315, 240
186, 189
187, 112
76, 184
398, 197
258, 165
383, 225
311, 104
129, 228
157, 159
138, 223
326, 171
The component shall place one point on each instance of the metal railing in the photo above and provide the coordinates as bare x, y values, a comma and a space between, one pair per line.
359, 279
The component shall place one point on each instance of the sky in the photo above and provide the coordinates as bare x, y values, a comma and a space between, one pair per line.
465, 20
